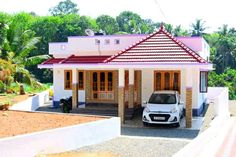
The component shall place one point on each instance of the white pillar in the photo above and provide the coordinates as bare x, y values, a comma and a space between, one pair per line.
74, 88
121, 94
131, 76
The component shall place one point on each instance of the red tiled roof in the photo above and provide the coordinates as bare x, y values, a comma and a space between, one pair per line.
52, 61
84, 59
158, 47
76, 60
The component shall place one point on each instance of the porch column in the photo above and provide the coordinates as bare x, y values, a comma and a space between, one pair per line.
121, 95
131, 88
75, 88
188, 102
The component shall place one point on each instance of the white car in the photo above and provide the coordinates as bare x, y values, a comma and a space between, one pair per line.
163, 107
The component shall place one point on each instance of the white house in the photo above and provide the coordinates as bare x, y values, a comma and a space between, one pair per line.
126, 69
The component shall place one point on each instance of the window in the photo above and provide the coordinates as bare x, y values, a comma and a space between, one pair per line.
167, 80
63, 47
97, 42
102, 81
68, 79
203, 81
110, 80
81, 80
117, 41
107, 41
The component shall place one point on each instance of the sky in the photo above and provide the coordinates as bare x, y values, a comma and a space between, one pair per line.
177, 12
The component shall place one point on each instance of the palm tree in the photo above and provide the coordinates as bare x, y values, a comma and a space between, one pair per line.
198, 28
16, 49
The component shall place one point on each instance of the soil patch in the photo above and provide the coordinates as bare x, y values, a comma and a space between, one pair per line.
81, 154
14, 98
18, 122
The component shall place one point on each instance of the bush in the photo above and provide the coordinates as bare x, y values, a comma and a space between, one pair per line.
226, 79
2, 87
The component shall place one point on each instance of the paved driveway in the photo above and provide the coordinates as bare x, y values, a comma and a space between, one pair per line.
126, 146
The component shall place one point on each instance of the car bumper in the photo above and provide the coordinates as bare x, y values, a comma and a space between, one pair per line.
160, 118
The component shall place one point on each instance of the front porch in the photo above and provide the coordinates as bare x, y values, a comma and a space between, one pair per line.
122, 91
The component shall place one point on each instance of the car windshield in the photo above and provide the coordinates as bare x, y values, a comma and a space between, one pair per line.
162, 99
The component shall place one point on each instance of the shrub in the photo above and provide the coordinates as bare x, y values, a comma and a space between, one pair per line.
2, 87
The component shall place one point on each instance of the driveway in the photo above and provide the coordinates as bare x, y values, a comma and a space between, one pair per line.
126, 146
137, 140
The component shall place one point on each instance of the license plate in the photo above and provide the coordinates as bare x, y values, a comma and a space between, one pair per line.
159, 118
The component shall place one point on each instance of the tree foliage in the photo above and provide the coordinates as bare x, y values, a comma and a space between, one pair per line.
24, 38
107, 24
64, 8
198, 28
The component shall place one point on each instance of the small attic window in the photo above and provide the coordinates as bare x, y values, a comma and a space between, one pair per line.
117, 41
107, 41
97, 42
63, 47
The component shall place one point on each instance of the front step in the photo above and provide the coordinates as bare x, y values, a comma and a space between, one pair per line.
129, 113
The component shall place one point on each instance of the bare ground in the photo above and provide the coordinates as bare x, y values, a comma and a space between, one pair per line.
18, 122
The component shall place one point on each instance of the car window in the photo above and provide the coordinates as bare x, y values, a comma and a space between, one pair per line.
162, 99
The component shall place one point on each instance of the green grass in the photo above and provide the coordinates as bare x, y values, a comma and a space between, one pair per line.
30, 89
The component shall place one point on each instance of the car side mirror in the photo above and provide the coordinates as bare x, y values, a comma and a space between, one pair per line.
144, 104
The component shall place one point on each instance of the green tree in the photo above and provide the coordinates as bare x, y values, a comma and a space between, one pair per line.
64, 8
129, 22
179, 31
107, 24
198, 28
17, 46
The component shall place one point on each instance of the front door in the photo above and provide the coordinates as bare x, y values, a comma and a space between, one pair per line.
167, 80
102, 85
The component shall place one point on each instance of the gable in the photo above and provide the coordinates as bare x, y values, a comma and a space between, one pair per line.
159, 47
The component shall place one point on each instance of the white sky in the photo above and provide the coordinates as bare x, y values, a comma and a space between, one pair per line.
184, 12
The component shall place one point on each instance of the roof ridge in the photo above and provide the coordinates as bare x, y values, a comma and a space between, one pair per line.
66, 59
162, 29
130, 47
186, 48
48, 60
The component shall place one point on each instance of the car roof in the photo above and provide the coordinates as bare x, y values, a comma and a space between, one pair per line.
165, 92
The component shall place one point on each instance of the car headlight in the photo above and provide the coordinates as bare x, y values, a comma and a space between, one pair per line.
146, 110
174, 110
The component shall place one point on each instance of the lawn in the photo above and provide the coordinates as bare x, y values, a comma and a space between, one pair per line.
14, 98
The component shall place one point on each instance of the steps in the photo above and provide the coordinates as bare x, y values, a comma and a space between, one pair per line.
103, 110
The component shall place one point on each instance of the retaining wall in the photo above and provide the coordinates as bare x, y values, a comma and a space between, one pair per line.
32, 103
60, 139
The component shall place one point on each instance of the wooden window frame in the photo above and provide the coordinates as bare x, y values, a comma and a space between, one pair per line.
171, 78
65, 71
81, 88
206, 82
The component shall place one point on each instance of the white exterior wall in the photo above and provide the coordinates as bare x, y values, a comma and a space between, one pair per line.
148, 85
58, 85
86, 46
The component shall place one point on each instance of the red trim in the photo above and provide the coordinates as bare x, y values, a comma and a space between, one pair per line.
127, 49
83, 59
169, 61
161, 31
52, 61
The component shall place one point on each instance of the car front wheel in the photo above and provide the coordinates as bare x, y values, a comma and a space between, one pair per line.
145, 124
